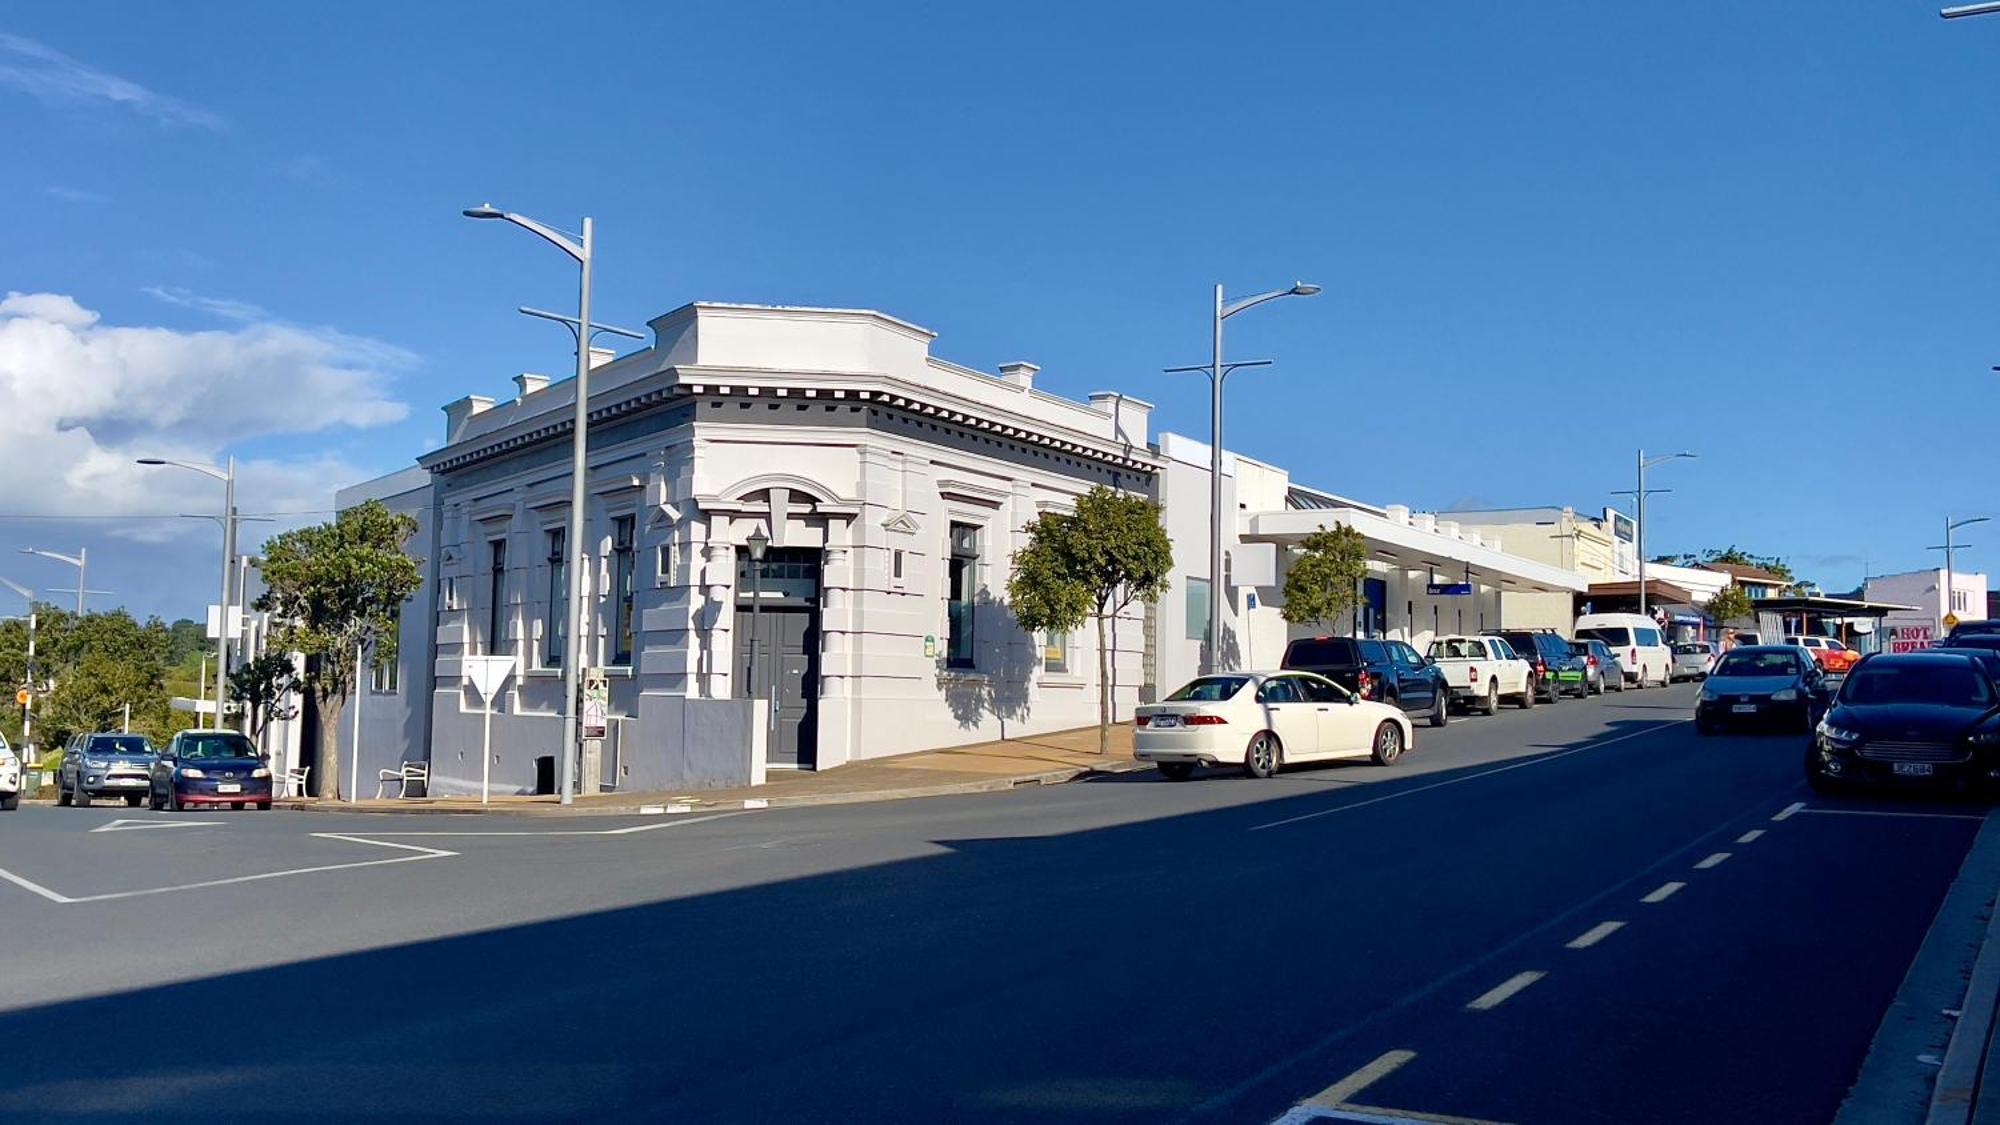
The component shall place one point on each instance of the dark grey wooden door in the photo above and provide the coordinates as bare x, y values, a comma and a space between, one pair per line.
785, 669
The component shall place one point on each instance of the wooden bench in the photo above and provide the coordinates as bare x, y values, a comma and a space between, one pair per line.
403, 775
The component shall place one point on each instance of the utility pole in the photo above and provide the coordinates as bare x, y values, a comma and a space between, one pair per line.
1949, 548
1639, 495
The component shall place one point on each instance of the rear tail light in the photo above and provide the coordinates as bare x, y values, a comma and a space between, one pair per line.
1204, 721
1471, 675
1142, 720
1593, 661
1366, 685
1635, 657
1541, 669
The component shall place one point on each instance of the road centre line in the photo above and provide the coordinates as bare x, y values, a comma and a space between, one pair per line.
1469, 777
1373, 1115
1340, 1092
1788, 810
1593, 935
1505, 990
1750, 837
1665, 892
1878, 812
572, 832
1214, 1103
1714, 859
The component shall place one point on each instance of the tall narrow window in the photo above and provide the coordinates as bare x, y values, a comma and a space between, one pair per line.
496, 596
622, 560
962, 581
555, 622
387, 673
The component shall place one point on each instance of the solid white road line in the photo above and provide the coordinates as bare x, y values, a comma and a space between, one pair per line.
1750, 836
1715, 859
1360, 1080
1373, 1115
1467, 777
1593, 935
422, 854
1665, 892
1910, 815
1506, 989
1786, 813
678, 822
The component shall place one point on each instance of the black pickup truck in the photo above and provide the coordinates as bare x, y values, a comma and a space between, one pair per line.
1385, 671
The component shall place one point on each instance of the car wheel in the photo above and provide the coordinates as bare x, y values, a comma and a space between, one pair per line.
1261, 757
131, 800
9, 802
62, 793
236, 806
1527, 699
265, 806
1388, 744
1704, 727
174, 802
1172, 771
1492, 704
1441, 713
80, 798
155, 801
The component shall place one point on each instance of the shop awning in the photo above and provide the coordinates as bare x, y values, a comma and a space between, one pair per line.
1404, 545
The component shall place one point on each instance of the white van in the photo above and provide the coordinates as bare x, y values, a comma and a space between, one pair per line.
1635, 640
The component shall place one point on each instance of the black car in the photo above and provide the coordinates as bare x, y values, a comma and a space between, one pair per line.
1964, 629
1918, 718
1557, 670
1767, 686
1384, 671
104, 765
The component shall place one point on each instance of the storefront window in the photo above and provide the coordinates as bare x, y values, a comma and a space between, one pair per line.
1197, 609
1055, 652
496, 595
555, 620
962, 578
622, 561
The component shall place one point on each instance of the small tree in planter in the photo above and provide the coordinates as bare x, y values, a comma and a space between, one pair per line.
1321, 583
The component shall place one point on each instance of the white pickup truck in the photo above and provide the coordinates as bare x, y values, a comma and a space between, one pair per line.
1479, 670
10, 777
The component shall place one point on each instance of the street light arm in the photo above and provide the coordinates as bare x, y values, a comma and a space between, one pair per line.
1241, 303
24, 591
72, 560
553, 236
1968, 522
1665, 457
206, 470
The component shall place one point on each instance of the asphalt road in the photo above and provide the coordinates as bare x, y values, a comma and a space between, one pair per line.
1579, 913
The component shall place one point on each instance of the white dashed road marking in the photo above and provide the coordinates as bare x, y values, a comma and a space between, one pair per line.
1715, 859
1665, 892
1593, 935
1505, 991
1788, 810
1345, 1089
1750, 837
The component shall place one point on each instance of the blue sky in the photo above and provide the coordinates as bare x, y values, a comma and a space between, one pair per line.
1549, 233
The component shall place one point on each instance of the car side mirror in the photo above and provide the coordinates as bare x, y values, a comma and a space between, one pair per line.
1353, 700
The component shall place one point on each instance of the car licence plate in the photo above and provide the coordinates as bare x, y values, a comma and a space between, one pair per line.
1913, 769
133, 781
228, 787
1163, 722
1744, 709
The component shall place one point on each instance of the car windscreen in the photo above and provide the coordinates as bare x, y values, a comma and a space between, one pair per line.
1757, 664
1936, 682
119, 744
1319, 653
219, 745
1616, 637
1209, 689
1457, 650
1974, 640
1580, 648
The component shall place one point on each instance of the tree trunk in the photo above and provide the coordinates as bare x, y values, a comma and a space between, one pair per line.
1103, 691
326, 764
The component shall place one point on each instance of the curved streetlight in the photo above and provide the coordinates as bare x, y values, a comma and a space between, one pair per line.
1948, 547
579, 249
1639, 497
227, 475
1217, 373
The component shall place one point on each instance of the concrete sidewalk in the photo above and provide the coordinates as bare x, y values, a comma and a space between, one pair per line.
1044, 759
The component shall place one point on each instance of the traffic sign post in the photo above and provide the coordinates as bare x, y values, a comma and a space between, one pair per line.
486, 674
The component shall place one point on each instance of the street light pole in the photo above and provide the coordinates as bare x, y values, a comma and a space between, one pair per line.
1639, 494
1217, 372
757, 543
579, 249
227, 476
1949, 548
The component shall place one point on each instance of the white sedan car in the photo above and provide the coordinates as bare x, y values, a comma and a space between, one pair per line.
10, 777
1263, 721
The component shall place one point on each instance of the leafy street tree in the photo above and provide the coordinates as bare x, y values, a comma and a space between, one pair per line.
1091, 564
100, 664
1321, 584
266, 687
335, 589
1729, 604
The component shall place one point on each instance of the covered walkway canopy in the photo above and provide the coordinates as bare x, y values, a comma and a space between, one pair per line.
1812, 613
1623, 597
1404, 544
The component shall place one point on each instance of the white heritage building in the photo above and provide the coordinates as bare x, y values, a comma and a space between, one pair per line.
893, 487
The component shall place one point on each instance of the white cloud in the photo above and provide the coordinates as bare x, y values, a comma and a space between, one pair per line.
77, 195
46, 73
80, 401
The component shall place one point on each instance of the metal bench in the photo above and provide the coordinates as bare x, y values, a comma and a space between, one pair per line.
295, 780
403, 775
